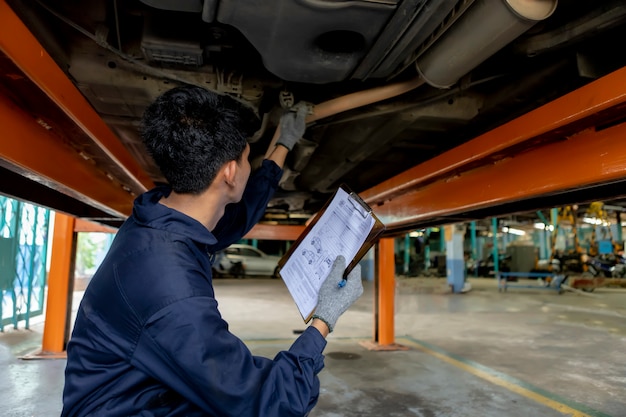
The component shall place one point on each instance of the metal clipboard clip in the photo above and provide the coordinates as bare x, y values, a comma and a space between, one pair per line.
359, 205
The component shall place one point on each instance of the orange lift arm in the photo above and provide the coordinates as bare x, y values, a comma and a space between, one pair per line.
85, 226
544, 170
55, 136
535, 155
275, 232
21, 47
33, 149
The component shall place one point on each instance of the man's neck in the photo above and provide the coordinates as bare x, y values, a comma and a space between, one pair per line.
206, 207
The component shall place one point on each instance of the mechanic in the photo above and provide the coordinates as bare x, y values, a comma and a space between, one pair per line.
149, 339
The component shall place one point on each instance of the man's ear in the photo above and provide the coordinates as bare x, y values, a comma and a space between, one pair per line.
230, 172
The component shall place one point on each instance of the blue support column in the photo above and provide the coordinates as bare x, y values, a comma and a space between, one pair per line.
541, 240
254, 243
455, 259
542, 218
554, 216
442, 240
474, 247
544, 239
407, 253
495, 251
427, 249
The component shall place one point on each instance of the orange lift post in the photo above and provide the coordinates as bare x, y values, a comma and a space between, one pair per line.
60, 283
56, 327
384, 299
386, 290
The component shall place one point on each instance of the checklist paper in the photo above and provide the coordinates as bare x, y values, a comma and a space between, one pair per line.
342, 228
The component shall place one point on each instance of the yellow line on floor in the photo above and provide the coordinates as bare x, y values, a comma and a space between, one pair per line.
494, 379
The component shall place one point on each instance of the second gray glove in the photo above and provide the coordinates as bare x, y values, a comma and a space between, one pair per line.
293, 125
333, 299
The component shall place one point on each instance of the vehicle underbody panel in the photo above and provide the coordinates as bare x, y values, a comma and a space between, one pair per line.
482, 62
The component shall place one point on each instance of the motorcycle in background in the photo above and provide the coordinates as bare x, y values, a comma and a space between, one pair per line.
613, 266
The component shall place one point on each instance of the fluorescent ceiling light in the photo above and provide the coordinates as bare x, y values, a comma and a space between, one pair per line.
542, 226
513, 231
596, 221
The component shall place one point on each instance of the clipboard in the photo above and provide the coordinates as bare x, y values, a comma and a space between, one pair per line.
357, 207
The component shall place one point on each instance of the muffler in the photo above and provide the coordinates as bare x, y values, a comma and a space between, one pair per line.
485, 28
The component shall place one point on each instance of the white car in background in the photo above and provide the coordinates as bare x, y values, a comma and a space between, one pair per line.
254, 261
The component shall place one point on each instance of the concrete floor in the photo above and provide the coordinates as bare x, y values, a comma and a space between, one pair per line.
526, 352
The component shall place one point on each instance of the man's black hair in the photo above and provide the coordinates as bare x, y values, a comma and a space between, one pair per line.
191, 132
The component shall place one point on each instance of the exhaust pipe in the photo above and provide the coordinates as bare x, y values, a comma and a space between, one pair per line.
485, 28
352, 101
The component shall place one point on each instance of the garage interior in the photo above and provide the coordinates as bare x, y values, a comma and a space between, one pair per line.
511, 163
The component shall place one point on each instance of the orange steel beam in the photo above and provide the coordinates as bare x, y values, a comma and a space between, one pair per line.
600, 95
275, 232
18, 43
584, 159
40, 153
55, 331
495, 155
85, 226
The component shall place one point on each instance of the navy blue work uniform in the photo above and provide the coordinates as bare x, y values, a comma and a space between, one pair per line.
149, 339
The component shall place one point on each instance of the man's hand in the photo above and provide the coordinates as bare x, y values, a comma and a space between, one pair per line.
293, 125
334, 298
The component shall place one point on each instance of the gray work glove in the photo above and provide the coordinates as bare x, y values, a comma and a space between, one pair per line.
293, 125
334, 299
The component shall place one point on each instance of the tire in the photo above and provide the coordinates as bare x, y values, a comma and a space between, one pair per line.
588, 275
237, 270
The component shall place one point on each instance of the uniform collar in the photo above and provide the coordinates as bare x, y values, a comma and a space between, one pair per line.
148, 212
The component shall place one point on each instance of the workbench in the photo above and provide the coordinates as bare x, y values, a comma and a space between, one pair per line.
553, 284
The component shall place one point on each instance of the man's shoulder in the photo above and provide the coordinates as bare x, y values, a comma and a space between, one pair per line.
151, 271
152, 245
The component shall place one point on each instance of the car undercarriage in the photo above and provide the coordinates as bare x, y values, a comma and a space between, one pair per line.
391, 83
